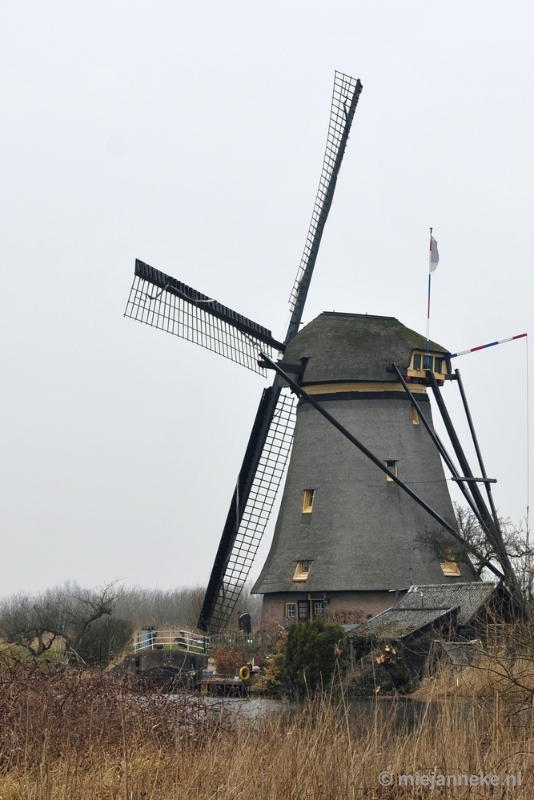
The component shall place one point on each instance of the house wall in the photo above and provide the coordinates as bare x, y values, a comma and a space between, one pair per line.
342, 607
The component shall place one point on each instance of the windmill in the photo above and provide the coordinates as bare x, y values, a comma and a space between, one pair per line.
346, 536
165, 303
349, 534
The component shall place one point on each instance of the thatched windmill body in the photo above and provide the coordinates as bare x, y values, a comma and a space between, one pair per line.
347, 536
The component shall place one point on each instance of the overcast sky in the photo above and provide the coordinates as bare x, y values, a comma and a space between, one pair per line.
191, 135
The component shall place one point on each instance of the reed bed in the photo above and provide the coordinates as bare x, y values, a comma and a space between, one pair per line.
79, 736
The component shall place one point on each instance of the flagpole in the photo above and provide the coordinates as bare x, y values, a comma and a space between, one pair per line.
427, 359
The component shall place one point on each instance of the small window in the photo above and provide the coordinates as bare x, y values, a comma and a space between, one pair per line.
307, 503
318, 607
415, 416
438, 365
417, 361
392, 466
304, 610
302, 571
291, 611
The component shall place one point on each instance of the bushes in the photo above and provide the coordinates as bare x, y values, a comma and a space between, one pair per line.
66, 734
310, 654
48, 709
104, 640
228, 659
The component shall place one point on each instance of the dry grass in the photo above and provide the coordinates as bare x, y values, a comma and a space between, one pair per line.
92, 737
503, 666
513, 682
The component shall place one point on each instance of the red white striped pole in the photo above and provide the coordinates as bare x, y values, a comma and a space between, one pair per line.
490, 344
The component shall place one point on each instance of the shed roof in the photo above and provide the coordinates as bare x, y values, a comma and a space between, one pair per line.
354, 347
397, 623
469, 597
429, 604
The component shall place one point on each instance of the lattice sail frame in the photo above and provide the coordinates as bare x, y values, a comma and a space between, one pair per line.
343, 97
269, 475
164, 303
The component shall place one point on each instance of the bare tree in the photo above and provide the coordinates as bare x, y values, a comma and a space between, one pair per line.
516, 541
176, 608
67, 613
81, 618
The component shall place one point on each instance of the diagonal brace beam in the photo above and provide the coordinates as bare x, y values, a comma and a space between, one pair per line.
493, 533
441, 449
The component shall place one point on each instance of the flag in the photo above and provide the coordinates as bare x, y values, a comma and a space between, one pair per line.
434, 255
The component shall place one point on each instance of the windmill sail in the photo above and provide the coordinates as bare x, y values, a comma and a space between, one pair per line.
163, 302
244, 529
237, 548
344, 101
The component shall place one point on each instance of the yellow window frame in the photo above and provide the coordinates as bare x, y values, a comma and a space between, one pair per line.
307, 501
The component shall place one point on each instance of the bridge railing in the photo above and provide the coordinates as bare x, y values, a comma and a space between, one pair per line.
150, 639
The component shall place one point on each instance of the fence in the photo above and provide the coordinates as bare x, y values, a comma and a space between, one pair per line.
237, 638
150, 639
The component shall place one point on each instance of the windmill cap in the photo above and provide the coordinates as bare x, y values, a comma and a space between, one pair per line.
355, 347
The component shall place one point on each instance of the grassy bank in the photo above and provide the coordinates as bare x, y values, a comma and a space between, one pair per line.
79, 736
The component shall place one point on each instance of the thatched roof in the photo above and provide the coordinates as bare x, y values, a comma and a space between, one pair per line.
354, 347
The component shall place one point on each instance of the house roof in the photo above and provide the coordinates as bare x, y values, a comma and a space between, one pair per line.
461, 654
429, 604
396, 623
469, 597
354, 347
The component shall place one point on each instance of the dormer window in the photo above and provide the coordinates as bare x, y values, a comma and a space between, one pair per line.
449, 567
302, 571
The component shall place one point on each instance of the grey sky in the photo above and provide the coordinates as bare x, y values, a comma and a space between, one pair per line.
191, 136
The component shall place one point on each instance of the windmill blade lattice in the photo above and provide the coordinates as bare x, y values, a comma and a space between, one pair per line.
164, 303
265, 485
344, 101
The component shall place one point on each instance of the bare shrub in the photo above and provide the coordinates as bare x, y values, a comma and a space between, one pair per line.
64, 736
106, 639
47, 709
502, 663
228, 659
